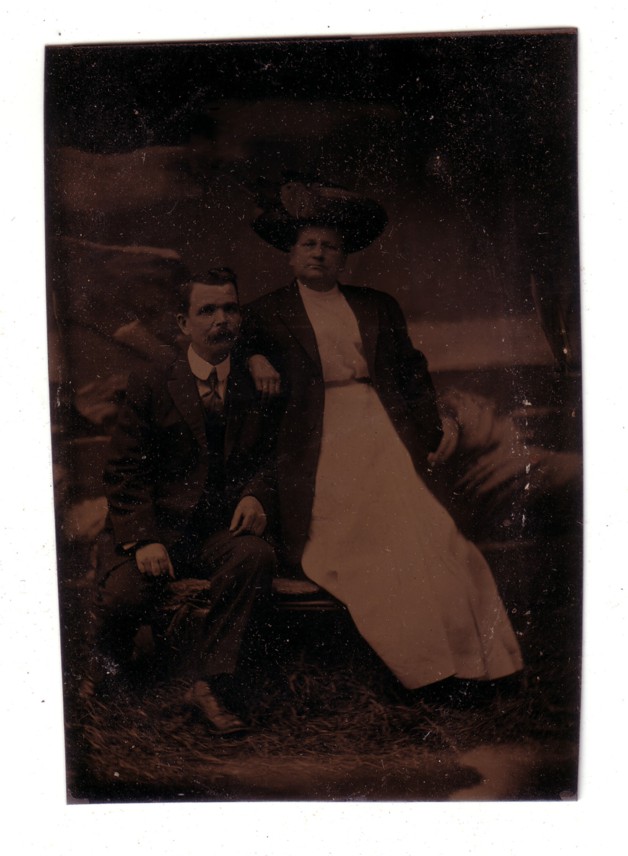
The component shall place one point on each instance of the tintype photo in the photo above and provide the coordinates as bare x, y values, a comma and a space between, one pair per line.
314, 349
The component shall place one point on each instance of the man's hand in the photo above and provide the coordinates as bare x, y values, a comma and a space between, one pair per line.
248, 517
267, 380
448, 443
153, 559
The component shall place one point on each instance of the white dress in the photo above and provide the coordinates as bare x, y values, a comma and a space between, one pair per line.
421, 595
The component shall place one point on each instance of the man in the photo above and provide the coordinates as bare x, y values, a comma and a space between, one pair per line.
189, 486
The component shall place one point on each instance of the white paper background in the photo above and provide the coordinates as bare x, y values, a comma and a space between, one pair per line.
35, 818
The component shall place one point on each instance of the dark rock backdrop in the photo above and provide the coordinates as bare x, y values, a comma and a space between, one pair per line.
159, 154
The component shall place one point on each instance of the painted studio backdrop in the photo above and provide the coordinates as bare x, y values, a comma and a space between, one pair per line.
162, 154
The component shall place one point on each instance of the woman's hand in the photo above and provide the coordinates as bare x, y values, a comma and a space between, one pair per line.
267, 380
448, 443
248, 517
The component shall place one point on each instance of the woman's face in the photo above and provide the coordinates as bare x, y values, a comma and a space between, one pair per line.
317, 257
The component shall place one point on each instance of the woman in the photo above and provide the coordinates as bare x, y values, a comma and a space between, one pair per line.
360, 423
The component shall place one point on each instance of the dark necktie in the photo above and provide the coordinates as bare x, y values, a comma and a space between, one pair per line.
211, 397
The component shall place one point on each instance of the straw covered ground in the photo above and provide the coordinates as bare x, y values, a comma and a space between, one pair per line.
331, 724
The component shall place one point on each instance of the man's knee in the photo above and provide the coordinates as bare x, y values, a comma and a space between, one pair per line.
254, 553
124, 588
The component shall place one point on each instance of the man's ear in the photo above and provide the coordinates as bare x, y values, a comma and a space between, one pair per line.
182, 322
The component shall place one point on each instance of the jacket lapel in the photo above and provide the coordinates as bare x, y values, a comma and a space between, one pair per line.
184, 392
239, 401
292, 313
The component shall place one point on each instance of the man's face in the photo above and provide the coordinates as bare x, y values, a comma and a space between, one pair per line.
212, 322
317, 257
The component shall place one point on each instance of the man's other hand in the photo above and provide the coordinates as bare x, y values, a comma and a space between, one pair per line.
153, 559
248, 517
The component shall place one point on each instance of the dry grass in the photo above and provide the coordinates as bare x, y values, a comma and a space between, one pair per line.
328, 724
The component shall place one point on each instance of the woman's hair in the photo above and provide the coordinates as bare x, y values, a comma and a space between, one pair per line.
211, 276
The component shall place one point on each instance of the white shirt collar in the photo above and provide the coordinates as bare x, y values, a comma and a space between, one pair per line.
201, 369
303, 287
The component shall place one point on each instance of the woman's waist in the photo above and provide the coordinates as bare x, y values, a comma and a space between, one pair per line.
340, 383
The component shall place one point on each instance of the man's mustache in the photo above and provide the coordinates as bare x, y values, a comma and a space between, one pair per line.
222, 336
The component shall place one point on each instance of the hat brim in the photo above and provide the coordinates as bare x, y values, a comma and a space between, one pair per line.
358, 222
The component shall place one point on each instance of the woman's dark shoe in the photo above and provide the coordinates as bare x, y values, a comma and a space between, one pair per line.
463, 694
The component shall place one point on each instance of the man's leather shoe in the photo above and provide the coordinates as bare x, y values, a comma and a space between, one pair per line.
217, 718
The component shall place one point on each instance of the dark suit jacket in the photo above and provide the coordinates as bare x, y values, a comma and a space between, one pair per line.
159, 460
277, 326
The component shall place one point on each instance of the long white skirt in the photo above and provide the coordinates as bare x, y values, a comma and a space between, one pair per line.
421, 595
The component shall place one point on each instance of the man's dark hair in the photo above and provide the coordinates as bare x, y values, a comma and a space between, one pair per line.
211, 276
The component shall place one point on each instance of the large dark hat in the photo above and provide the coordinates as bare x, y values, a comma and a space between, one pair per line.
301, 203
